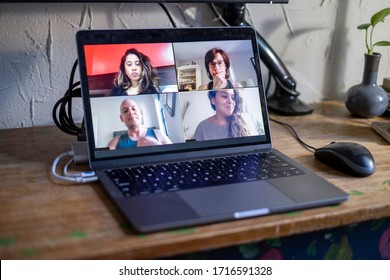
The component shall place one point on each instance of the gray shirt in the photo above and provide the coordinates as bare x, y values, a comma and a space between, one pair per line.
206, 130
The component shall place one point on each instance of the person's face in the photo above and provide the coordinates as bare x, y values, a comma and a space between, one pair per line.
130, 113
224, 103
133, 67
217, 66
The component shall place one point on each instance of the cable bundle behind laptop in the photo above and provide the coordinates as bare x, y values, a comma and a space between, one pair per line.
62, 110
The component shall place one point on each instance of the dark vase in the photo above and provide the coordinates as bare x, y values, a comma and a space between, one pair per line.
367, 99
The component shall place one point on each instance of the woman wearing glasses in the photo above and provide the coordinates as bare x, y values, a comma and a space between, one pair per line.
217, 64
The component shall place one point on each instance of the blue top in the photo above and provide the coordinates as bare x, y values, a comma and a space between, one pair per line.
126, 142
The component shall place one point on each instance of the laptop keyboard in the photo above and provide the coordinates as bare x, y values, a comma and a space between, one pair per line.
170, 177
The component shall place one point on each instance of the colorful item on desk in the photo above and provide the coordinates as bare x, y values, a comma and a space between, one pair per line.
366, 240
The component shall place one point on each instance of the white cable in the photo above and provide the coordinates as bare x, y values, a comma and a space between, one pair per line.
65, 170
83, 177
72, 174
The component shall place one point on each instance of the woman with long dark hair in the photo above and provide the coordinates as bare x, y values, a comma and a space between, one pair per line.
228, 120
136, 75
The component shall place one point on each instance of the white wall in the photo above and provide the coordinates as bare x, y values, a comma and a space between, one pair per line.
317, 40
320, 44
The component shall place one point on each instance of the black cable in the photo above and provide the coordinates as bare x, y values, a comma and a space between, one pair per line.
295, 134
292, 130
62, 110
268, 86
162, 5
220, 18
218, 15
271, 75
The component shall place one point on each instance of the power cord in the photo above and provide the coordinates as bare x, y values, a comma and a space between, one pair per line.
65, 121
218, 15
220, 18
62, 116
62, 110
80, 177
162, 5
295, 134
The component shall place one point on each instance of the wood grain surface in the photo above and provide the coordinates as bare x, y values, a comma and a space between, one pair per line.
42, 218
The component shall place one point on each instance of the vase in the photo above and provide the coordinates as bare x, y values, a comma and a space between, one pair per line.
367, 99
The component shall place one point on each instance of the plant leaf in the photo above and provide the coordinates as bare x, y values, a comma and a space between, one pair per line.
380, 16
382, 43
364, 26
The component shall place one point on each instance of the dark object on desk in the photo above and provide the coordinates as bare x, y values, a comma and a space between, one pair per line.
367, 99
382, 128
285, 100
347, 157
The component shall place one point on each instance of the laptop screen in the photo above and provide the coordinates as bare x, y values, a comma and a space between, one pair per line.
164, 91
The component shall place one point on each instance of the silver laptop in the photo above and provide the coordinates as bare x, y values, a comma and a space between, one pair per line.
178, 130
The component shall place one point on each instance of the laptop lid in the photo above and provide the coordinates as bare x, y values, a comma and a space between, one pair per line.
193, 92
177, 98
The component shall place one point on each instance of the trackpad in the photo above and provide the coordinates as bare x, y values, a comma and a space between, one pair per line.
229, 199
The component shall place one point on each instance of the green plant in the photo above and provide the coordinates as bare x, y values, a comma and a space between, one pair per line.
375, 19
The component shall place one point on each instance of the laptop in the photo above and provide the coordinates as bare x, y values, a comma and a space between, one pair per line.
195, 159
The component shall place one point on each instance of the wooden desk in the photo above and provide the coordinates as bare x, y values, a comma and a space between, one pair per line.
43, 219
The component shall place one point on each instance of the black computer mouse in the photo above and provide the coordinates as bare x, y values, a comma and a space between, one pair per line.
347, 157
